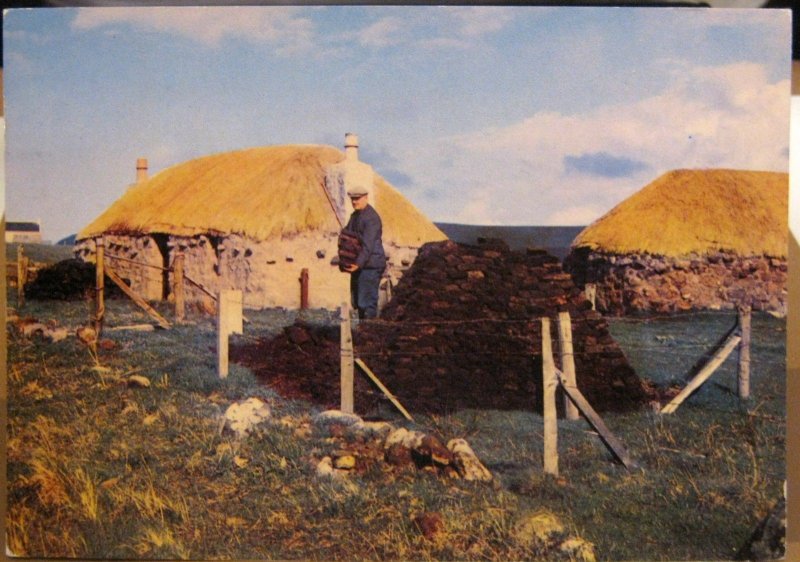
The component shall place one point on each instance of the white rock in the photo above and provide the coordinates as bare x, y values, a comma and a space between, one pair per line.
377, 428
325, 467
467, 462
242, 417
404, 437
336, 416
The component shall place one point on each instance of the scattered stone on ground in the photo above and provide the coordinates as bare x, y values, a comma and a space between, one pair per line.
243, 417
30, 328
467, 463
366, 444
540, 527
542, 531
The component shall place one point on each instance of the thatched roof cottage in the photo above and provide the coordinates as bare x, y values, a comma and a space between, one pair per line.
252, 220
690, 240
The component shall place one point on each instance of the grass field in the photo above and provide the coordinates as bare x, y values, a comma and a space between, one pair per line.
98, 469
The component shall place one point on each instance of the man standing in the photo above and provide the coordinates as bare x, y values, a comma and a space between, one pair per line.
366, 272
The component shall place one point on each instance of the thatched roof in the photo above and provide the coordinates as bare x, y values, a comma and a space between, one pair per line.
698, 211
262, 193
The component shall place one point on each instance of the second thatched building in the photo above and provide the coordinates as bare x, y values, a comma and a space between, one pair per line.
690, 240
255, 220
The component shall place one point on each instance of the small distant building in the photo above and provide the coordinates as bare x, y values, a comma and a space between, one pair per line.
24, 231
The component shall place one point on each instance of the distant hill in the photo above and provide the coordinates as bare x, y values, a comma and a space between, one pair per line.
39, 253
555, 239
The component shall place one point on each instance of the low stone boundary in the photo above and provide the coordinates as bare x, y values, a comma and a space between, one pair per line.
649, 283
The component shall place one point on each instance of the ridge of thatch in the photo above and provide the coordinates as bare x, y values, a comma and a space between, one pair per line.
698, 211
262, 193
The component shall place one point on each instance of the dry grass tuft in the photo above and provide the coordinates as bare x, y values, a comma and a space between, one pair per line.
698, 211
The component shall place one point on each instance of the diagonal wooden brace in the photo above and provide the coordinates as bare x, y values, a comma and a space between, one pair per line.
163, 322
611, 441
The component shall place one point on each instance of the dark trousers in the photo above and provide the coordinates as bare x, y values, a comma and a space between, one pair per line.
364, 285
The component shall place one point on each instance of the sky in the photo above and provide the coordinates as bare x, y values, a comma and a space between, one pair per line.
478, 115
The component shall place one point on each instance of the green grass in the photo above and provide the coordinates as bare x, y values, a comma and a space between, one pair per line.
98, 470
39, 253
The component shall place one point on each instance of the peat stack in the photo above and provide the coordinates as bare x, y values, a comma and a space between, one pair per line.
70, 279
463, 330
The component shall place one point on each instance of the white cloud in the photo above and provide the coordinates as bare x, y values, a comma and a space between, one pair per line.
477, 21
280, 26
711, 117
382, 33
575, 216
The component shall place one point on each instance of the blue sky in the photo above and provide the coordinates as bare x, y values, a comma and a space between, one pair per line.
483, 115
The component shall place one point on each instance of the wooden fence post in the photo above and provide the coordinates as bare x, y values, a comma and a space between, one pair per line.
229, 320
549, 383
347, 368
744, 352
99, 295
304, 289
22, 274
177, 287
567, 362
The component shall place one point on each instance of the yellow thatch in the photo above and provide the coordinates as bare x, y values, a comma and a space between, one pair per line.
262, 193
698, 211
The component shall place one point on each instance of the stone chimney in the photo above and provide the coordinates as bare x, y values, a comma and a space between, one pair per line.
141, 170
351, 147
345, 174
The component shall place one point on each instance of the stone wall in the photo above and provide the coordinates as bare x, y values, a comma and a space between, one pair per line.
648, 283
145, 276
267, 272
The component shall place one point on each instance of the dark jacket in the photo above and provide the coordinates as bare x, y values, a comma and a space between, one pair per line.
367, 225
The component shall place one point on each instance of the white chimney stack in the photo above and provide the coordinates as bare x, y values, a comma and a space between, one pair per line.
351, 147
141, 170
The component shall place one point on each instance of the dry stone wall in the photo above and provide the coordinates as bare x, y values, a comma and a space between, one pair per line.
146, 275
648, 283
267, 272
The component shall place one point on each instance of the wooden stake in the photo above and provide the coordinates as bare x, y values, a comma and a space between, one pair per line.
347, 402
222, 336
229, 321
703, 375
99, 295
567, 362
177, 287
304, 288
22, 274
383, 389
744, 353
549, 383
613, 444
163, 322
